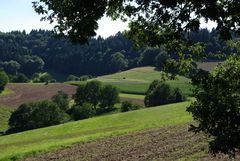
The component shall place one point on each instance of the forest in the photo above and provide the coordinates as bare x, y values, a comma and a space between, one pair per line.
40, 50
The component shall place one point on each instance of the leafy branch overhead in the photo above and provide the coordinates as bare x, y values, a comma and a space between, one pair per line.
150, 21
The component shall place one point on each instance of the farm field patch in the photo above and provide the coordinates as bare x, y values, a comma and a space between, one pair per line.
45, 139
166, 143
26, 92
137, 80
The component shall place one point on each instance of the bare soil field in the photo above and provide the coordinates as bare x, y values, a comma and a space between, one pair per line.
23, 93
133, 100
208, 66
167, 144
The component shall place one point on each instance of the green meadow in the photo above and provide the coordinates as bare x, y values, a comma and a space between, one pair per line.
137, 80
41, 140
5, 113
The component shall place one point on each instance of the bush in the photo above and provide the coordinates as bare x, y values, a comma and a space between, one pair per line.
3, 80
36, 115
128, 106
160, 93
82, 112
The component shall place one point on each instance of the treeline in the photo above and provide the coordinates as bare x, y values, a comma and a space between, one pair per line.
41, 51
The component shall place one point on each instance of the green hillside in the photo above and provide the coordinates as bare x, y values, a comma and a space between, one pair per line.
45, 139
137, 80
5, 113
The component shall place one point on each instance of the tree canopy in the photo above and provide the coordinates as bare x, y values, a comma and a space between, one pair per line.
150, 20
216, 108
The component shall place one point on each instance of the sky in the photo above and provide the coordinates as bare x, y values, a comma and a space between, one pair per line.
19, 15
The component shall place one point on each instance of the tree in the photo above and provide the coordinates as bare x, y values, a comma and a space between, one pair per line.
80, 96
216, 108
78, 19
82, 112
19, 78
61, 99
161, 60
118, 62
36, 115
10, 67
160, 93
93, 92
109, 97
148, 57
3, 80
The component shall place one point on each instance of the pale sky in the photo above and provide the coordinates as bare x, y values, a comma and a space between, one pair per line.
19, 15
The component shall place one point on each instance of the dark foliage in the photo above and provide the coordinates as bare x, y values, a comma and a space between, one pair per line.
109, 97
3, 80
19, 78
216, 108
151, 22
93, 92
36, 115
128, 106
40, 50
160, 93
61, 99
86, 110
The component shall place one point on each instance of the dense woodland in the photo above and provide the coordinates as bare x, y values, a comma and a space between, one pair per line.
40, 51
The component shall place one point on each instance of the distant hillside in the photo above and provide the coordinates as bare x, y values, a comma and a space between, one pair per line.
45, 139
137, 80
40, 51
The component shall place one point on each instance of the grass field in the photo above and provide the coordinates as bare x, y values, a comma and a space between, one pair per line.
133, 96
137, 80
6, 92
45, 139
5, 113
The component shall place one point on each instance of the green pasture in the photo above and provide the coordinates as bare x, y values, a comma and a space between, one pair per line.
41, 140
5, 113
6, 91
132, 96
137, 80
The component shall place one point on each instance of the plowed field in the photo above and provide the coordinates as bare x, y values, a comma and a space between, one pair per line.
164, 144
23, 93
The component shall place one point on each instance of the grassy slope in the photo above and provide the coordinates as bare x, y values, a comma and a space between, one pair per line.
6, 92
5, 113
137, 80
30, 142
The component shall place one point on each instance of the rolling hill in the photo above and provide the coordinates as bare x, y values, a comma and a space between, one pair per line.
137, 80
55, 137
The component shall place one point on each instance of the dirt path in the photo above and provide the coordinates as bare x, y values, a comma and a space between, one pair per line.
165, 144
23, 93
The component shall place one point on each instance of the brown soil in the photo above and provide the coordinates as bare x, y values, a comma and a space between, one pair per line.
134, 101
168, 143
23, 93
